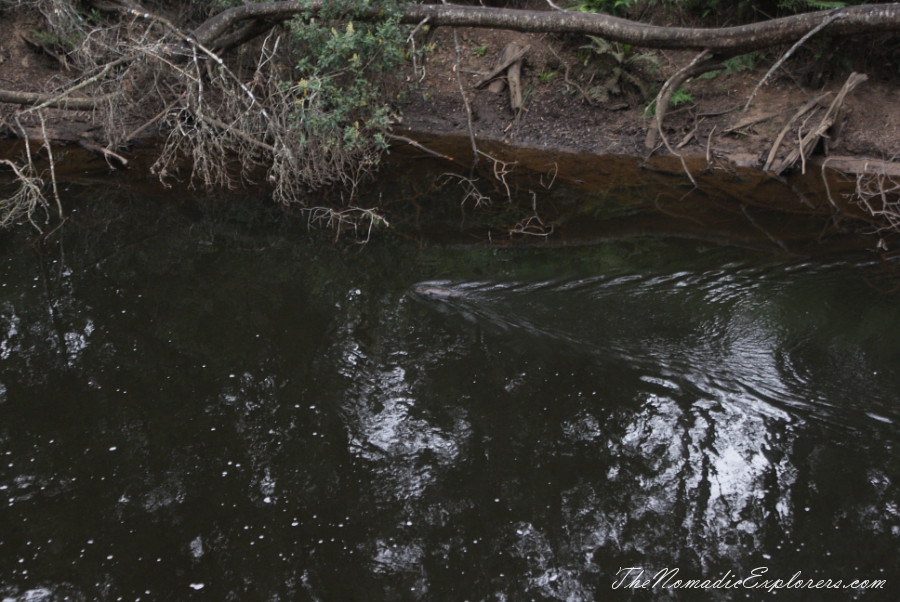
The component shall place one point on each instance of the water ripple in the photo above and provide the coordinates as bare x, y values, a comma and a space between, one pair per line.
755, 335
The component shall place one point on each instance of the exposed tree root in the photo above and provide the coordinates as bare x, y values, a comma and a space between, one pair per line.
735, 40
695, 67
655, 131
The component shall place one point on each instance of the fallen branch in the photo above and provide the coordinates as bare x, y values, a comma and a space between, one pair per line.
871, 18
151, 121
60, 100
51, 100
787, 126
858, 166
748, 122
505, 61
808, 142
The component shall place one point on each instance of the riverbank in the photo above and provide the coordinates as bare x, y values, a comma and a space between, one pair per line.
584, 100
568, 105
581, 94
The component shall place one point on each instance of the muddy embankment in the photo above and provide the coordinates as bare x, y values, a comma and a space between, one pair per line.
517, 195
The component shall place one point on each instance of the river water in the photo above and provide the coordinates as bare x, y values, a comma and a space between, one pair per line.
203, 402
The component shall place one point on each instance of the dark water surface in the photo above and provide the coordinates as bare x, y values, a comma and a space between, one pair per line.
198, 408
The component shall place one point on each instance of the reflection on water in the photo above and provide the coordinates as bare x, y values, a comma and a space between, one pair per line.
262, 419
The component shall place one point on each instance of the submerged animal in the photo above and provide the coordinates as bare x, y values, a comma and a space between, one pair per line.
433, 290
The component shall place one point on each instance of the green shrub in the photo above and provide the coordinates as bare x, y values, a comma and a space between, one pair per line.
610, 7
343, 77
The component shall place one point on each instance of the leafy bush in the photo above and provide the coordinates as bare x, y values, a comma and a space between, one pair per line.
610, 7
342, 80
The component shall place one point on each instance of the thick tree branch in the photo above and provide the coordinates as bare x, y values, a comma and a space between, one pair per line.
52, 101
872, 18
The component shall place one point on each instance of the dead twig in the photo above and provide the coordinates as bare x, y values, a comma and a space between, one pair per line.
462, 92
533, 225
107, 154
708, 144
567, 79
763, 230
419, 146
26, 199
827, 187
412, 42
655, 132
470, 188
341, 220
879, 194
53, 183
501, 170
554, 172
689, 136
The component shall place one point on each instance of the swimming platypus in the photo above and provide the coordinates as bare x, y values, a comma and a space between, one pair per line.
434, 290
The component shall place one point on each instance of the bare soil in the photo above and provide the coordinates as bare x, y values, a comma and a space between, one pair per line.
560, 114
